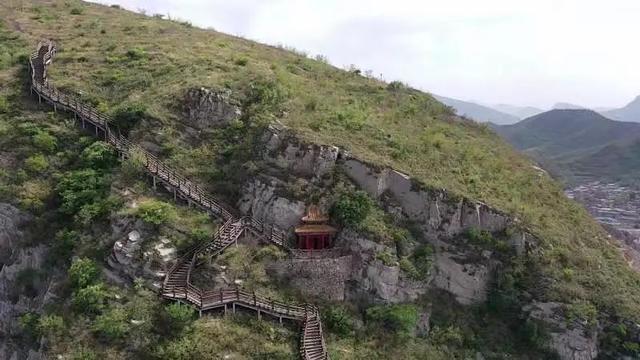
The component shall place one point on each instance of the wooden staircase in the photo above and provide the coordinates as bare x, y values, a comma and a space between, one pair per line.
177, 283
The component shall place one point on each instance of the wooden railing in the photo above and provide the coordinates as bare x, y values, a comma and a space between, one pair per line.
312, 345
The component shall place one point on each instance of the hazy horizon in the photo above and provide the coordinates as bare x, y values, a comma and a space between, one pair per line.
492, 52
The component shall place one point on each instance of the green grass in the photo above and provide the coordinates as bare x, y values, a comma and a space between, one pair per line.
111, 57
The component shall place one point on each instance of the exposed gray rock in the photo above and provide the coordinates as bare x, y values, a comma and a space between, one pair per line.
17, 257
423, 326
205, 108
440, 217
129, 260
12, 221
262, 200
571, 341
466, 281
440, 213
286, 152
374, 281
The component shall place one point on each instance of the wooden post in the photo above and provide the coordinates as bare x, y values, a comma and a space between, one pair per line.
234, 308
175, 196
259, 315
154, 182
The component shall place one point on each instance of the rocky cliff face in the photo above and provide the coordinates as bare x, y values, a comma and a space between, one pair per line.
206, 108
571, 340
440, 218
18, 257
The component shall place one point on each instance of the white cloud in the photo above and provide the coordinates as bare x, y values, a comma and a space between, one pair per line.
523, 52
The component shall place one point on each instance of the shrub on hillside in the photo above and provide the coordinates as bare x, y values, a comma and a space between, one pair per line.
29, 323
36, 163
98, 155
79, 188
90, 300
126, 117
83, 272
63, 245
44, 141
338, 320
33, 194
156, 212
268, 96
4, 105
97, 210
178, 315
50, 325
352, 208
399, 319
111, 325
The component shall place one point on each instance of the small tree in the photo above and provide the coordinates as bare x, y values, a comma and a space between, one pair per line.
50, 325
90, 300
338, 320
98, 155
400, 319
82, 273
128, 116
112, 325
352, 208
44, 141
79, 188
178, 315
156, 212
36, 163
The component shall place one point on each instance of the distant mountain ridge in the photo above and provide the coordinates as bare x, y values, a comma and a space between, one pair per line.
521, 112
478, 112
578, 143
630, 112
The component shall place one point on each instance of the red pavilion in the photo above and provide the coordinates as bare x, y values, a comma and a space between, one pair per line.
314, 233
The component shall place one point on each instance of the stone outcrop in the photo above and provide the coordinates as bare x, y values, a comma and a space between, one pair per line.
205, 108
375, 281
467, 281
12, 222
17, 257
131, 258
284, 151
263, 199
572, 341
440, 217
439, 212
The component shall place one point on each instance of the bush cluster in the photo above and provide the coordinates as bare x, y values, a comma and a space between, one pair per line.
351, 208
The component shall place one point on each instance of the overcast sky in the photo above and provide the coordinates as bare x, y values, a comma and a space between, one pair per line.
522, 52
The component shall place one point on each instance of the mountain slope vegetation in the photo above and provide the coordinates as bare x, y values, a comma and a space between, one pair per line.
141, 66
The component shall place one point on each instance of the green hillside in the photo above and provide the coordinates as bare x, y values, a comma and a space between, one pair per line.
121, 61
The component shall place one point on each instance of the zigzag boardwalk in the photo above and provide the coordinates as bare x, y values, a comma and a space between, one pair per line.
177, 283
